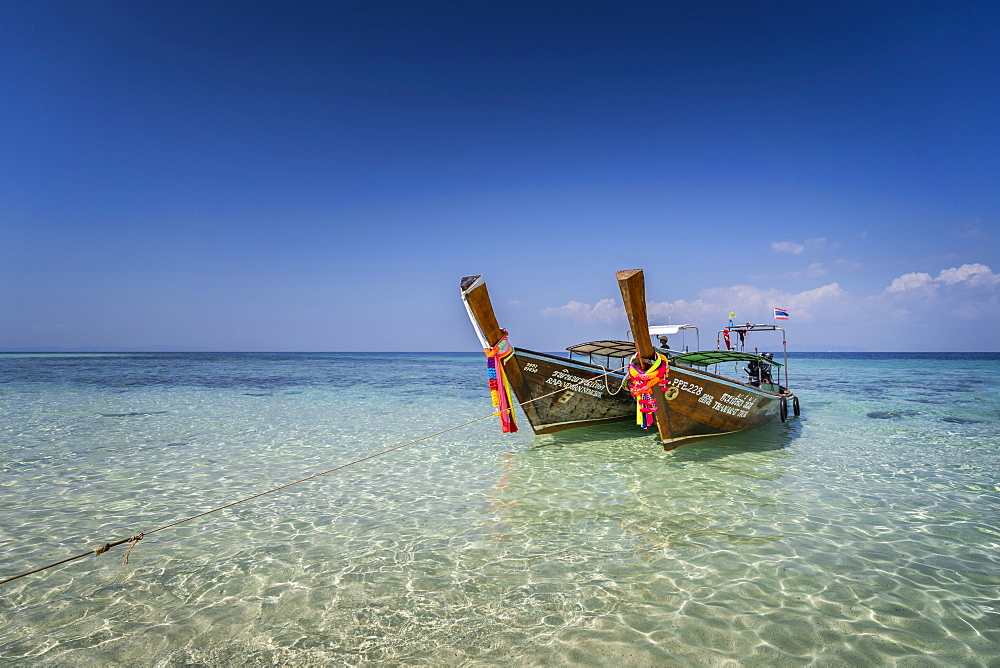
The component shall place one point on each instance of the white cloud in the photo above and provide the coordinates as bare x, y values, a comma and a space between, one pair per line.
974, 275
968, 292
796, 248
967, 276
906, 315
682, 310
909, 282
787, 247
606, 310
751, 304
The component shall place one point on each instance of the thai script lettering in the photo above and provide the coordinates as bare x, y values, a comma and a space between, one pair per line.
738, 401
737, 404
564, 378
730, 410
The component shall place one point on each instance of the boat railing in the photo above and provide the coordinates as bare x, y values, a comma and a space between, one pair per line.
661, 332
746, 329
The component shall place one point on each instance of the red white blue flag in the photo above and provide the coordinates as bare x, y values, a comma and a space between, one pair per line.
780, 313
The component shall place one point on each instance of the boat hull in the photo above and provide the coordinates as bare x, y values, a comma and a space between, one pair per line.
557, 393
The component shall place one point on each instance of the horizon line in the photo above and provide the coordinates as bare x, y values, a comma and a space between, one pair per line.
114, 351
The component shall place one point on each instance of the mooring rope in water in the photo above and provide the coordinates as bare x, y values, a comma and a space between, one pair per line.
134, 539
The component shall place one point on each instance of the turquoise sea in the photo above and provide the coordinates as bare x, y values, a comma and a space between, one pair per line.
864, 533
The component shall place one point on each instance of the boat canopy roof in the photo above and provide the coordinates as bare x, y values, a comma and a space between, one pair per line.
607, 348
709, 357
668, 329
754, 328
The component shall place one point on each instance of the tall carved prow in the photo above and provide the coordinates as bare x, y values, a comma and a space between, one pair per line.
632, 283
477, 302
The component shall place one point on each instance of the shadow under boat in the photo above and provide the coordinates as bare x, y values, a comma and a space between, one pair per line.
774, 436
555, 492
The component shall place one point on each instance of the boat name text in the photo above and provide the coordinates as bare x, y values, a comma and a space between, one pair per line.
696, 390
564, 378
737, 405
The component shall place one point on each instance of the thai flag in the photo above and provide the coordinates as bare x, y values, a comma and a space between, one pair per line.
780, 313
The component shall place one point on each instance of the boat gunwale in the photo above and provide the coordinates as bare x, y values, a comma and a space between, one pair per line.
621, 373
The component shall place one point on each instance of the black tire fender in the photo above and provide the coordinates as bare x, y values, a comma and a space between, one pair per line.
795, 406
783, 409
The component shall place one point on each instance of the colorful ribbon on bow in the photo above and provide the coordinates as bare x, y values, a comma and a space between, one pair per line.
641, 384
499, 387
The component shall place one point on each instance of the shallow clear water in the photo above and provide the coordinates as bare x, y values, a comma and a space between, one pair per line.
867, 532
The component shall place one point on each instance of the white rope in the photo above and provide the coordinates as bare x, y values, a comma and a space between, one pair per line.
569, 387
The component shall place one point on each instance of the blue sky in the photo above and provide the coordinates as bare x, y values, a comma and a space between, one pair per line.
318, 176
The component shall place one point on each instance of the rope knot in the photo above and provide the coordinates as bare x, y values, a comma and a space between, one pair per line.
134, 540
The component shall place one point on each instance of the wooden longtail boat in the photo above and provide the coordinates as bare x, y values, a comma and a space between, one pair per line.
558, 393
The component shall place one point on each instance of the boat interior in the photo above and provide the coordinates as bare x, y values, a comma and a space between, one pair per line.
756, 368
